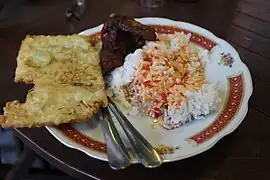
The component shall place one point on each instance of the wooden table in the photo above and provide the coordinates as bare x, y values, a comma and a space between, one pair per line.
245, 154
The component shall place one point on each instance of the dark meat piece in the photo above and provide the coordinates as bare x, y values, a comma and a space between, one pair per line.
120, 36
110, 59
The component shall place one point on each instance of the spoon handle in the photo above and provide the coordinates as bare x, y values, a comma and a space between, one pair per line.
118, 156
145, 153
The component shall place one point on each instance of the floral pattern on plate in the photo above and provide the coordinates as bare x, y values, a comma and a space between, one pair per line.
193, 138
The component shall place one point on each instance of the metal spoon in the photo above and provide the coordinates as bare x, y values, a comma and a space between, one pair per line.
145, 153
117, 153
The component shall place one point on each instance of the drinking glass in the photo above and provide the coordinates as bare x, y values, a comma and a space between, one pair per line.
152, 3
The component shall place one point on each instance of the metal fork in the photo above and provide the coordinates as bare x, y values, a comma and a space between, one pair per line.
145, 153
117, 153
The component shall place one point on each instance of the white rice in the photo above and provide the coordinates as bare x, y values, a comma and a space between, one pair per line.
197, 104
124, 74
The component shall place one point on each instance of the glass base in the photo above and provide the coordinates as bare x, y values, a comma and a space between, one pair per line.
152, 3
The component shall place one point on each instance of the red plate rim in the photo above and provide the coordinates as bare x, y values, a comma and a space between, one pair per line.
230, 109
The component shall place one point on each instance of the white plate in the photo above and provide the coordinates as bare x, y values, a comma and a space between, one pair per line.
191, 139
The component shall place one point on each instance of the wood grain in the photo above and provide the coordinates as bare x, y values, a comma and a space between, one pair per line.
259, 99
258, 9
257, 64
249, 40
257, 26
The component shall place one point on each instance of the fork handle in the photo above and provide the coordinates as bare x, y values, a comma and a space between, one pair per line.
146, 154
117, 154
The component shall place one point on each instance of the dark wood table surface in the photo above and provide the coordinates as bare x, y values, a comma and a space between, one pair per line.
244, 154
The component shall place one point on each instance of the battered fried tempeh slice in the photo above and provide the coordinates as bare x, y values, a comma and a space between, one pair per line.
48, 104
58, 59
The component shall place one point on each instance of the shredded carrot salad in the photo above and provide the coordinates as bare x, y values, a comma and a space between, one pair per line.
164, 75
